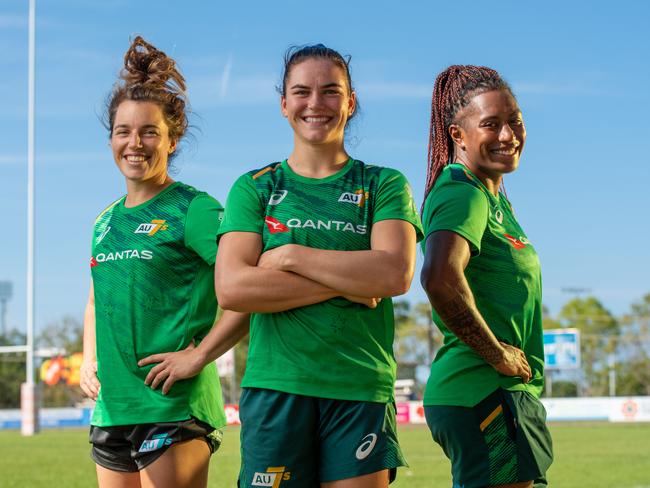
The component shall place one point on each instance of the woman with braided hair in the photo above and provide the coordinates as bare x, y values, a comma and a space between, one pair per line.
482, 277
152, 297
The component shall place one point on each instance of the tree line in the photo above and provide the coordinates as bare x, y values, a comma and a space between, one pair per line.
612, 347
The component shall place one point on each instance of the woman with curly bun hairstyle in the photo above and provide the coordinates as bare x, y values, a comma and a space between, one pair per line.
149, 340
482, 276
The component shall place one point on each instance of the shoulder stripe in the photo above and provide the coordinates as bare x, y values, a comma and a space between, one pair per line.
271, 167
108, 208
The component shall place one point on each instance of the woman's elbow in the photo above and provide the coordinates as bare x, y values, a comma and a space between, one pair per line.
400, 281
431, 283
227, 296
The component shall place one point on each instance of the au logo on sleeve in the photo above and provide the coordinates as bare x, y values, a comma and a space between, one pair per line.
272, 477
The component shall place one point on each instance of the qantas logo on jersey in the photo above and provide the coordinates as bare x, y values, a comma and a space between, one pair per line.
272, 477
275, 225
517, 243
359, 197
120, 255
151, 228
277, 196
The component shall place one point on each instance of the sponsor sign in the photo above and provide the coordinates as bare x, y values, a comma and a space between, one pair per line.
403, 411
562, 348
62, 369
232, 414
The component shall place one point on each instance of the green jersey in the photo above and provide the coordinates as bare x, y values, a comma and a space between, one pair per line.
504, 276
334, 349
152, 267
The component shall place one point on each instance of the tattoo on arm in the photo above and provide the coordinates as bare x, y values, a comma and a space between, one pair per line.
461, 317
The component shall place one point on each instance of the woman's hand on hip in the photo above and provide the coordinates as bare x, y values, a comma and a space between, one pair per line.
88, 380
172, 367
514, 363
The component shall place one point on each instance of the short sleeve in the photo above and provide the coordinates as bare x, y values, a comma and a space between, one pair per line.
204, 217
244, 211
458, 207
394, 200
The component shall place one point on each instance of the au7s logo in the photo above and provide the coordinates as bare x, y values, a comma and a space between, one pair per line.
272, 477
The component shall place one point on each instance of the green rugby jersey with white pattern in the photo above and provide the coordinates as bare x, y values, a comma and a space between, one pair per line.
504, 275
152, 268
333, 349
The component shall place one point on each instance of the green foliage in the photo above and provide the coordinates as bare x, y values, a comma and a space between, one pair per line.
563, 389
416, 336
549, 322
598, 340
633, 375
12, 370
66, 334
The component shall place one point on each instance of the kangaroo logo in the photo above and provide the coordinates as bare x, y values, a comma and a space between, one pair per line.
275, 225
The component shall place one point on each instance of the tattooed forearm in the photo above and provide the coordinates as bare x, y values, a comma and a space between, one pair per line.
461, 317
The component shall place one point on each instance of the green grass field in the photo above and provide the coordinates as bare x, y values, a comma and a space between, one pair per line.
592, 455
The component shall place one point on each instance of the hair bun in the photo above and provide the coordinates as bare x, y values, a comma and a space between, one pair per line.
146, 66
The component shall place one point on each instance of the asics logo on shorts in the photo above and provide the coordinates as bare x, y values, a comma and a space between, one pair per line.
366, 447
156, 442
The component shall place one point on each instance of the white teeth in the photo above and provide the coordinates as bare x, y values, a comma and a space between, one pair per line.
135, 159
316, 119
506, 152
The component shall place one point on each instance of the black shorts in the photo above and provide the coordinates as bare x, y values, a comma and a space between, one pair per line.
130, 448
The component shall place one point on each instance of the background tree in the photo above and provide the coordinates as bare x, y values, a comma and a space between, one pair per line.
12, 370
417, 338
633, 372
599, 331
63, 337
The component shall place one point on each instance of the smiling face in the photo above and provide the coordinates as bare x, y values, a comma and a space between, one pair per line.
489, 134
140, 141
318, 101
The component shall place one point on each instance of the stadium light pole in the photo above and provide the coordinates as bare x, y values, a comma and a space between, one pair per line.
28, 392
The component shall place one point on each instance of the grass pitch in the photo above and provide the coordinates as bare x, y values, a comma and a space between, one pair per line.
594, 455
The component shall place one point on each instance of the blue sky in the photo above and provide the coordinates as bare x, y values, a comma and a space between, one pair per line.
580, 71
